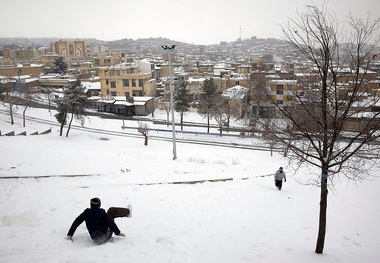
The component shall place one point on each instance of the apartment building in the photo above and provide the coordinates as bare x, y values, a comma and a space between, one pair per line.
126, 80
281, 91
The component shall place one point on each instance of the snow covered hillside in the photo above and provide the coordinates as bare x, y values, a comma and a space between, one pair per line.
48, 180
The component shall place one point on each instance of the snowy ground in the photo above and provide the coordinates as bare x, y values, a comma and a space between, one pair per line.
241, 220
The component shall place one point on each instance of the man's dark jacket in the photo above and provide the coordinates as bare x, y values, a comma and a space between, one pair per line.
97, 223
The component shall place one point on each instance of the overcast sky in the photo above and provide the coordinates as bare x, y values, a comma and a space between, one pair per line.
191, 21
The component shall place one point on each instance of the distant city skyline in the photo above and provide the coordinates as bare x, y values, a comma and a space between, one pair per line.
194, 22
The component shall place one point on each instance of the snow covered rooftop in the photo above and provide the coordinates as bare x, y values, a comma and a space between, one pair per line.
237, 92
91, 85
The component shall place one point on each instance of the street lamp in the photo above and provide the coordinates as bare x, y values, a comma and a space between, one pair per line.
169, 49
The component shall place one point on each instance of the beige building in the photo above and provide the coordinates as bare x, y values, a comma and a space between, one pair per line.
49, 61
126, 80
71, 49
87, 70
283, 92
33, 70
113, 59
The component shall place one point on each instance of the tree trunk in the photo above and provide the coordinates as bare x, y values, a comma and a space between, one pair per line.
208, 122
11, 113
68, 129
61, 129
146, 139
62, 125
49, 102
322, 214
23, 116
182, 120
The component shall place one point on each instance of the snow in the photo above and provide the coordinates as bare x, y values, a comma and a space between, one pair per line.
48, 180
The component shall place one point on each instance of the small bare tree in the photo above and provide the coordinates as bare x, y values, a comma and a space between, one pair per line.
28, 98
9, 101
143, 129
49, 92
219, 111
166, 106
333, 123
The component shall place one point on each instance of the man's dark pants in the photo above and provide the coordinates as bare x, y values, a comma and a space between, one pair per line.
278, 184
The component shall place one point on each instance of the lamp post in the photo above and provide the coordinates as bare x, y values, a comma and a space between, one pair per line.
169, 49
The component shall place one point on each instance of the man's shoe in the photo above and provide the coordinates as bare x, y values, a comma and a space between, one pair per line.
130, 211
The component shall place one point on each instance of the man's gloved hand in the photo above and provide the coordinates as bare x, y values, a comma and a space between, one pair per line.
69, 238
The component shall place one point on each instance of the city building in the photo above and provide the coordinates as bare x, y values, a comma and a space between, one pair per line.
126, 80
71, 49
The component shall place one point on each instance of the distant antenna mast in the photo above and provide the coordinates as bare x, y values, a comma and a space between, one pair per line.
240, 33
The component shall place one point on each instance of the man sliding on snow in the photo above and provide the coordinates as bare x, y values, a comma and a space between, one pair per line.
100, 225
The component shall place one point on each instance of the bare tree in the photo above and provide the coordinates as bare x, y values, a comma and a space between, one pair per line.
9, 101
26, 101
49, 96
220, 111
143, 129
166, 106
333, 122
257, 93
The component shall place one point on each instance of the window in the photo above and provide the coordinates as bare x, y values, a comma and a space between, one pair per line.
125, 82
71, 50
126, 94
113, 93
133, 83
141, 83
112, 72
117, 72
107, 82
279, 102
280, 89
140, 93
108, 92
290, 87
113, 84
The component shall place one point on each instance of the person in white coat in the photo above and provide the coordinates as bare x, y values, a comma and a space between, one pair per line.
278, 177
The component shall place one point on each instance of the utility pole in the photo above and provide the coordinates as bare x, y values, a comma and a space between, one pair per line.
169, 49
